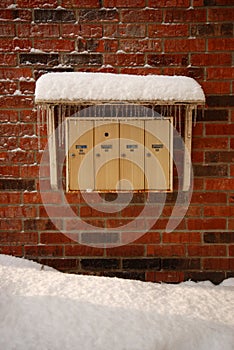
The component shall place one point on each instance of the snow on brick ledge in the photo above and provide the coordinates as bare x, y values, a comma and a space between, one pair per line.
78, 87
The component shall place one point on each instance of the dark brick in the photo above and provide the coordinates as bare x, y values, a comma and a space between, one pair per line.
96, 237
39, 225
181, 264
203, 29
45, 15
210, 170
218, 2
212, 115
214, 277
42, 58
141, 264
167, 60
219, 157
94, 59
209, 2
219, 237
227, 29
40, 72
98, 15
220, 101
100, 264
17, 185
195, 72
61, 264
131, 275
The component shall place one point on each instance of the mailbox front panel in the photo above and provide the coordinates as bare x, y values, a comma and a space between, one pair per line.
80, 143
157, 157
106, 155
132, 154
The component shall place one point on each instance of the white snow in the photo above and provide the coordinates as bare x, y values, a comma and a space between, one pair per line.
42, 308
116, 87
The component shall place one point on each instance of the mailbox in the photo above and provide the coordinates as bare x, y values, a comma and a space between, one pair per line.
121, 155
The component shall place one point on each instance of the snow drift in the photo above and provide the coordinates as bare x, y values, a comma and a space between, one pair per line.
45, 309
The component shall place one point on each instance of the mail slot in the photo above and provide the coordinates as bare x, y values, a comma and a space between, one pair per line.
122, 155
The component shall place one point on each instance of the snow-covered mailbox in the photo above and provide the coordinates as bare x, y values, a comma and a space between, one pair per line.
117, 129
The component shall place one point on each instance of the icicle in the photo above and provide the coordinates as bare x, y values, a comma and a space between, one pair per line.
195, 116
38, 127
180, 119
203, 112
175, 116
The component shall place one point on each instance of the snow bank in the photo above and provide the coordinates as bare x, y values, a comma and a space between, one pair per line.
45, 309
116, 87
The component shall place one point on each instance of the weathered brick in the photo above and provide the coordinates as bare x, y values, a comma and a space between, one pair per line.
126, 30
218, 44
142, 264
42, 58
16, 15
218, 264
65, 264
18, 238
12, 250
169, 3
181, 264
220, 101
212, 30
137, 16
219, 237
122, 59
140, 45
166, 60
36, 3
164, 30
185, 45
93, 59
17, 185
15, 73
124, 3
81, 3
221, 156
210, 170
26, 30
210, 59
219, 184
84, 30
100, 264
42, 250
46, 15
63, 45
11, 224
100, 15
167, 277
8, 59
185, 15
214, 277
7, 30
221, 14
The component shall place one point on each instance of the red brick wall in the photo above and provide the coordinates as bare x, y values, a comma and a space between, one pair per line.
182, 37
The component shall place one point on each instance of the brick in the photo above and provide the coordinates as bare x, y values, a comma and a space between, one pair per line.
16, 102
165, 30
219, 129
8, 171
7, 87
36, 3
217, 2
100, 238
42, 250
54, 238
64, 264
126, 30
100, 264
27, 87
166, 60
221, 14
231, 250
219, 211
7, 30
210, 170
140, 45
211, 142
220, 73
15, 73
214, 277
12, 250
124, 3
225, 44
193, 72
216, 87
129, 250
8, 59
94, 59
10, 198
209, 197
208, 59
217, 157
212, 30
81, 3
100, 15
10, 224
84, 30
222, 264
149, 237
169, 3
137, 16
212, 115
181, 264
26, 30
41, 224
165, 250
19, 238
220, 101
185, 15
132, 275
122, 59
165, 277
218, 237
143, 263
63, 45
206, 224
16, 15
185, 45
230, 224
17, 211
140, 71
46, 15
211, 250
17, 185
181, 237
80, 250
